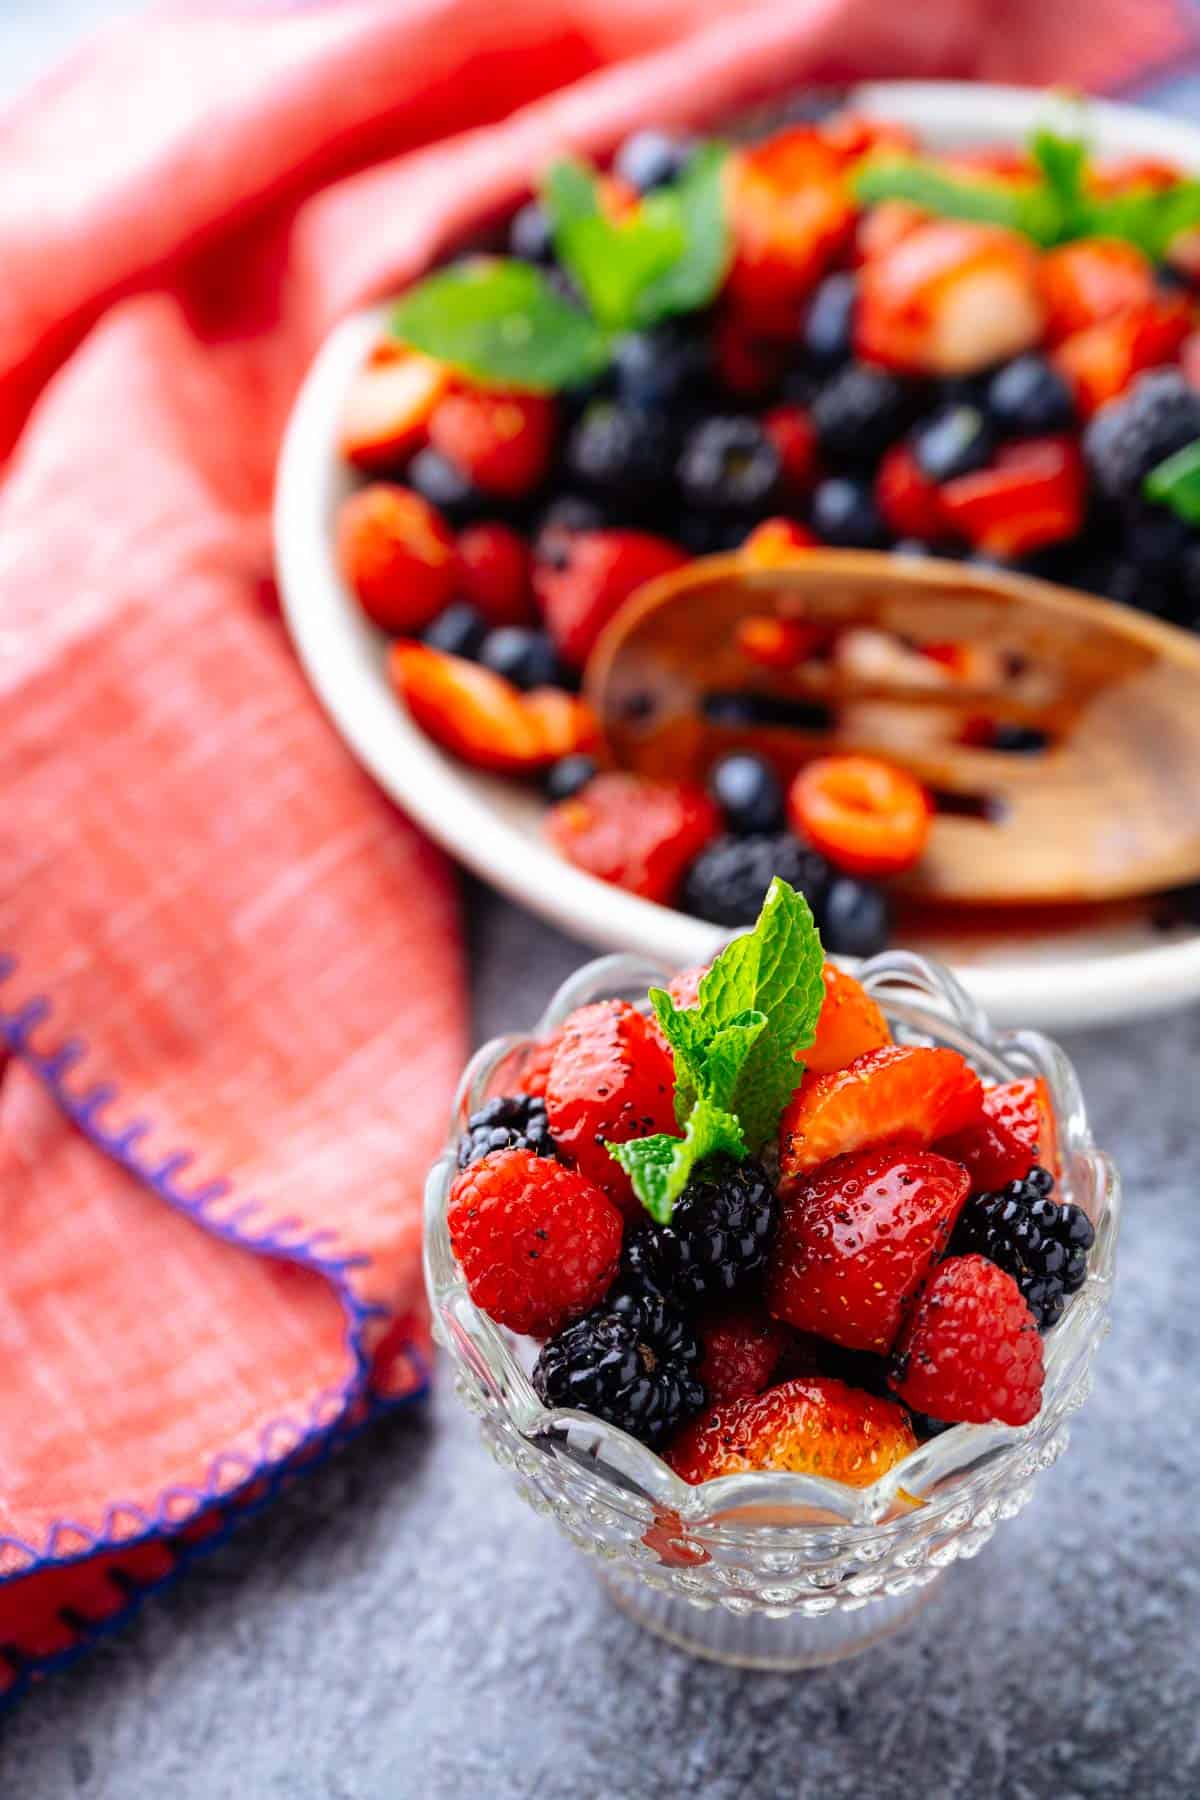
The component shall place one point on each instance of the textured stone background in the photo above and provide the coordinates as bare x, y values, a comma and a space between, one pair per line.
401, 1628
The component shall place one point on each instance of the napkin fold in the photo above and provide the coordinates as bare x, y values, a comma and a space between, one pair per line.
231, 987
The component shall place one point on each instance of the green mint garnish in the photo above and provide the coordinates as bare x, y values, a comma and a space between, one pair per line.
1176, 483
735, 1050
503, 323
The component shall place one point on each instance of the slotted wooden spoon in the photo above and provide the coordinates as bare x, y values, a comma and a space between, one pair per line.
928, 664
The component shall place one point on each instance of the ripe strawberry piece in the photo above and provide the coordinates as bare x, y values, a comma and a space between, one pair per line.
741, 1351
1100, 363
762, 638
911, 504
851, 1023
396, 555
1092, 280
389, 406
900, 1094
790, 213
867, 816
884, 226
949, 298
466, 709
852, 135
538, 1243
1017, 1129
970, 1352
791, 430
774, 543
1032, 493
535, 1072
601, 570
856, 1240
563, 723
495, 574
611, 1079
815, 1425
502, 441
637, 833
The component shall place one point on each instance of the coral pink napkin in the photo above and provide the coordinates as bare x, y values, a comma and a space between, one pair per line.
233, 987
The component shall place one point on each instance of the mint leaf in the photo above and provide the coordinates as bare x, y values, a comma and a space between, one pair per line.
569, 191
1176, 483
660, 1166
616, 264
1151, 218
501, 323
1063, 164
696, 203
707, 1062
1031, 211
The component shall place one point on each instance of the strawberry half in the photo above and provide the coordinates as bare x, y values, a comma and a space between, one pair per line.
1017, 1129
389, 405
971, 1351
812, 1426
948, 298
599, 572
396, 555
484, 719
611, 1078
851, 1023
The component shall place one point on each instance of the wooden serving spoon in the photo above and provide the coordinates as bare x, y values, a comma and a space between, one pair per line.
933, 665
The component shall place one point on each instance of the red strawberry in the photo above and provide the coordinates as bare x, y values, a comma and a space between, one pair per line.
502, 441
468, 710
535, 1072
637, 833
1032, 493
494, 574
538, 1243
1100, 363
774, 543
790, 213
389, 405
850, 1024
610, 1079
900, 1094
1017, 1130
396, 555
601, 570
794, 436
813, 1426
856, 1240
910, 503
971, 1350
565, 724
1090, 281
948, 298
762, 638
741, 1351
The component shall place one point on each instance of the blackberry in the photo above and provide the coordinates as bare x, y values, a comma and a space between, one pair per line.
855, 918
652, 159
459, 629
1043, 1245
619, 450
455, 495
1129, 437
926, 1427
955, 440
844, 514
666, 369
523, 656
730, 464
729, 879
1155, 539
568, 776
860, 413
509, 1122
829, 328
1028, 397
632, 1362
530, 237
718, 1237
748, 791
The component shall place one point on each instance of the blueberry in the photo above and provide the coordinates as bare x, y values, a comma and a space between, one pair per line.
855, 919
730, 464
618, 450
844, 514
569, 514
459, 630
437, 480
955, 441
523, 656
668, 368
859, 413
748, 791
565, 778
653, 159
829, 328
1028, 397
530, 238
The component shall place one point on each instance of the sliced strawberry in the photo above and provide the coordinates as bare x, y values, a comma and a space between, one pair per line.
884, 226
856, 1240
1032, 493
389, 405
970, 1352
495, 574
949, 298
867, 816
903, 1094
466, 709
1092, 280
791, 430
611, 1079
771, 545
564, 723
911, 504
790, 212
1100, 363
637, 833
397, 556
1017, 1129
502, 442
851, 1023
602, 569
812, 1426
852, 135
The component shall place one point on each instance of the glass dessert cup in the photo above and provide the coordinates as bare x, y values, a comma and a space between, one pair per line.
777, 1571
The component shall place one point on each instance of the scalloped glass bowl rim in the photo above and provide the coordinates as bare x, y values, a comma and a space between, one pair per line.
924, 1001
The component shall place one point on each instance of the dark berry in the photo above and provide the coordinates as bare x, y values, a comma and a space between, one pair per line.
509, 1122
667, 369
738, 706
708, 534
918, 547
748, 791
717, 1239
1155, 538
522, 655
859, 413
631, 1362
569, 514
955, 441
459, 629
926, 1427
1042, 1245
829, 327
568, 776
844, 514
652, 159
729, 879
436, 479
530, 237
1130, 436
1017, 740
620, 450
855, 919
1132, 585
731, 465
1028, 397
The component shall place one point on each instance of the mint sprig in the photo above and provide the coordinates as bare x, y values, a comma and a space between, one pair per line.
1175, 483
502, 324
735, 1050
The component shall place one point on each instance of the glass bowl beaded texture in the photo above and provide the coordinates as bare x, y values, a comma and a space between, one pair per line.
777, 1571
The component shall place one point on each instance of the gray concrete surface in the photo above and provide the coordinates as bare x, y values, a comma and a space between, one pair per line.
401, 1628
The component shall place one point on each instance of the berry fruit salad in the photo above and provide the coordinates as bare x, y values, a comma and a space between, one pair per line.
830, 337
752, 1230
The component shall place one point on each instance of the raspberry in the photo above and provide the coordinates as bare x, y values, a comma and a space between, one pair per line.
510, 1121
631, 1362
494, 574
856, 1240
741, 1352
611, 1078
538, 1243
718, 1236
1041, 1244
970, 1352
812, 1426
